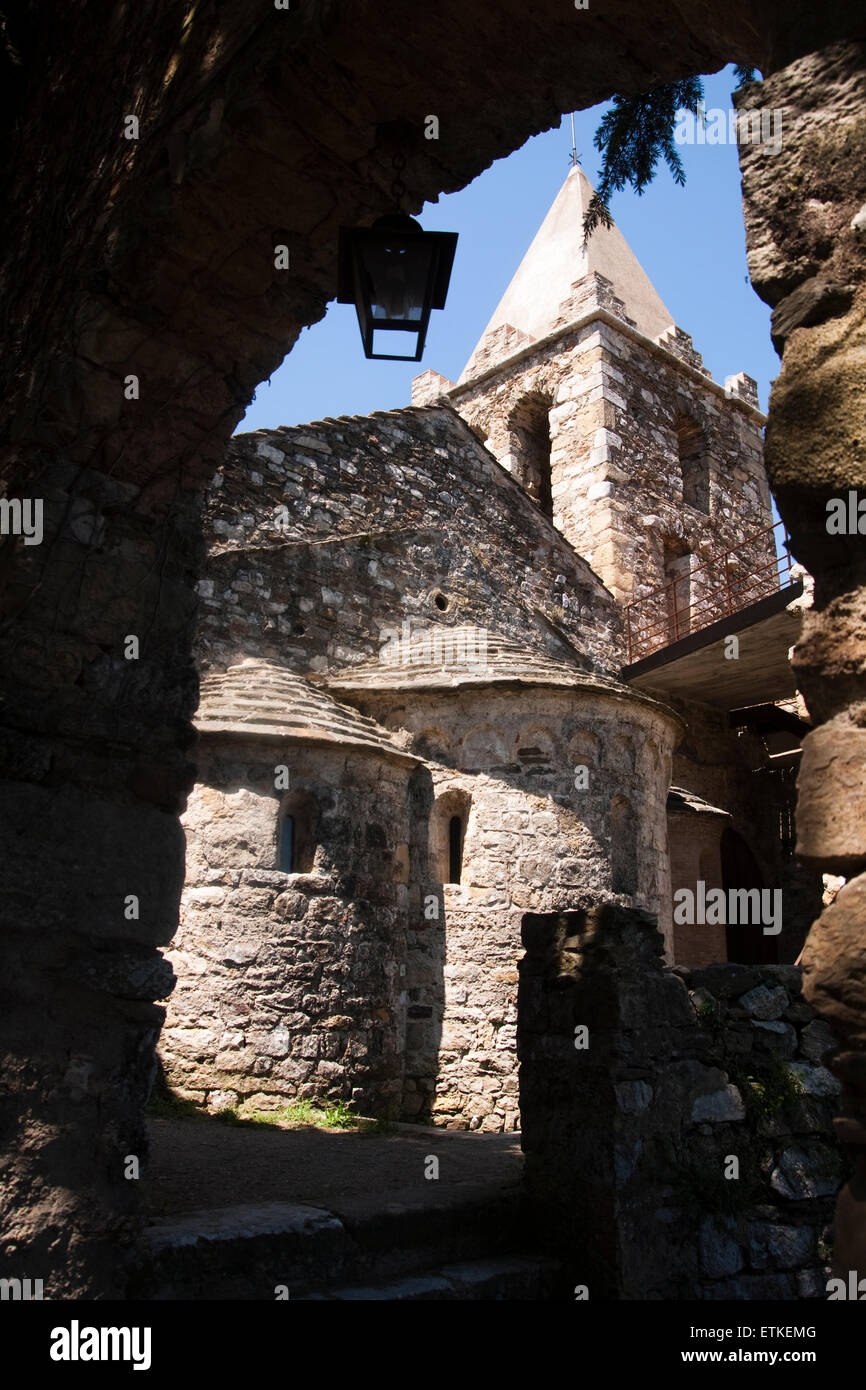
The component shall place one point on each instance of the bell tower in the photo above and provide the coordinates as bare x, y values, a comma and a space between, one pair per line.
587, 392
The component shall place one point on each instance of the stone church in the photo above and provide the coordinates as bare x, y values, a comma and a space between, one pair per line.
520, 647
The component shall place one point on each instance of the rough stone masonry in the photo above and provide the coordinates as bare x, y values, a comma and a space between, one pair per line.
146, 257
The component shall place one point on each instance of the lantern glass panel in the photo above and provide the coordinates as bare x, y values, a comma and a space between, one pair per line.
396, 276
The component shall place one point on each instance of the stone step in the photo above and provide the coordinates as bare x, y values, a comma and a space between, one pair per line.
521, 1277
245, 1252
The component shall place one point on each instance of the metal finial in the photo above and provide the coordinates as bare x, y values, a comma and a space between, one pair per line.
574, 158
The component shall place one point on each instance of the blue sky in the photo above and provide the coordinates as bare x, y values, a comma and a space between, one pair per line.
690, 241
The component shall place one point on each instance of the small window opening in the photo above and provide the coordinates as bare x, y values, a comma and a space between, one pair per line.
530, 446
287, 845
694, 463
297, 829
455, 849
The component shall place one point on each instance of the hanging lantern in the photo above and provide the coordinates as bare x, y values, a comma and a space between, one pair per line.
394, 273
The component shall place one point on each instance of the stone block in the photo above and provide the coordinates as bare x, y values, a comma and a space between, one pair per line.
831, 802
776, 1246
816, 1039
806, 1171
720, 1254
834, 981
776, 1037
724, 981
719, 1107
633, 1096
815, 1080
763, 1003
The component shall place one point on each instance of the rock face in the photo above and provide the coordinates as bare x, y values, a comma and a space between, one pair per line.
707, 1161
808, 260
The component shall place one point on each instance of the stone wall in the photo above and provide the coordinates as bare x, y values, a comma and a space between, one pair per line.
370, 979
533, 842
324, 536
630, 1140
291, 984
807, 258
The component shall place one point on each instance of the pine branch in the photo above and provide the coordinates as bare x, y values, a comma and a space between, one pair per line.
633, 135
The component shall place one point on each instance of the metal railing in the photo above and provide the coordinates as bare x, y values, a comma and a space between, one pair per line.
726, 583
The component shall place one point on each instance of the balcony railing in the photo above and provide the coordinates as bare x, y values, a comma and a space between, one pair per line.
726, 583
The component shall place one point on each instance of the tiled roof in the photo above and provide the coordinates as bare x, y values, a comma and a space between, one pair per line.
257, 698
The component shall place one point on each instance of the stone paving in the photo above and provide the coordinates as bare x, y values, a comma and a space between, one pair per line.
197, 1164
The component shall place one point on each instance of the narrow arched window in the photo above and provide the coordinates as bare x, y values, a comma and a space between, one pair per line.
623, 846
694, 463
297, 828
529, 434
287, 845
449, 820
455, 849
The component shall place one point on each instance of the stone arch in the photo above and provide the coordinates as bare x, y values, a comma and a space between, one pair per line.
448, 824
535, 747
483, 747
433, 743
529, 447
584, 748
196, 395
623, 846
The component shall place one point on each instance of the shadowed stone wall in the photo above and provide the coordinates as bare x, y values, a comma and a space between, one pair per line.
533, 841
629, 1138
807, 258
291, 984
325, 538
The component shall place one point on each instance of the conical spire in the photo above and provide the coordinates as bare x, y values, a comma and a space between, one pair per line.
557, 258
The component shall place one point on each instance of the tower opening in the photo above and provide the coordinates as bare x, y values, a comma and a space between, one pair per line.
694, 463
678, 594
746, 942
529, 446
623, 846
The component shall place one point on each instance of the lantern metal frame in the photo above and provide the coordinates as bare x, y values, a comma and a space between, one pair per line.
353, 278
